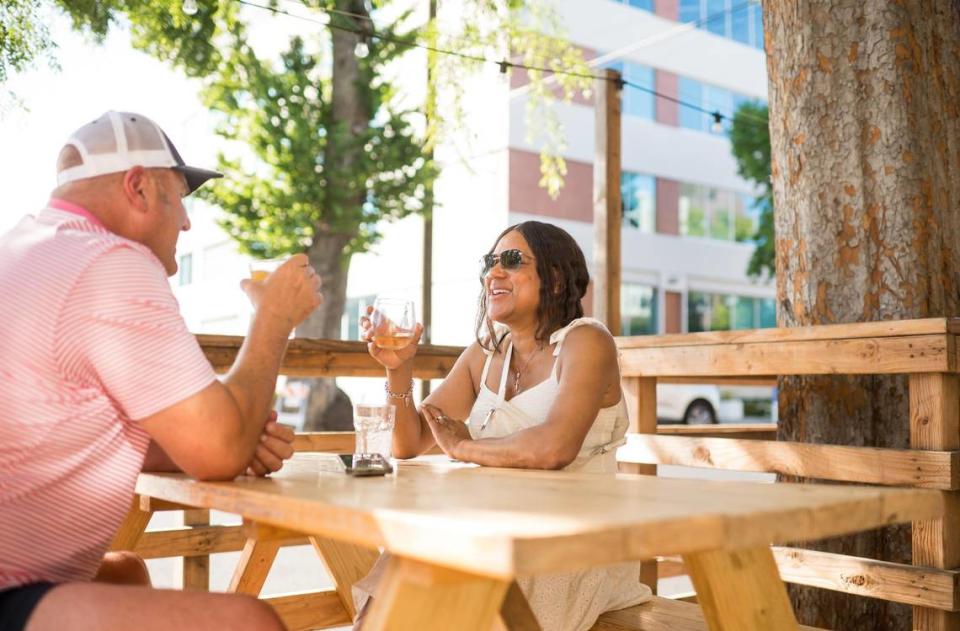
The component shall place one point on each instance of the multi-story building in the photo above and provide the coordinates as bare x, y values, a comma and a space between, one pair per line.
688, 216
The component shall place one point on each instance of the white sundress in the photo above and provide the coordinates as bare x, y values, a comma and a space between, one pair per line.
566, 601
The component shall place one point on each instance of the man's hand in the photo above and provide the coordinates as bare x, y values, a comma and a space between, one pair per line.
276, 445
288, 295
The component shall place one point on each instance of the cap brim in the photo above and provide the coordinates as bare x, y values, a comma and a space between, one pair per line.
196, 176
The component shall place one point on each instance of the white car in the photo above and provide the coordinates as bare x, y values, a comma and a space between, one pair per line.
694, 404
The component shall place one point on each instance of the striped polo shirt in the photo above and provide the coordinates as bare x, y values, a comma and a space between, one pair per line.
92, 340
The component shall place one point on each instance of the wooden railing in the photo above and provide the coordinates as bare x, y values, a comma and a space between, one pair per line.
924, 350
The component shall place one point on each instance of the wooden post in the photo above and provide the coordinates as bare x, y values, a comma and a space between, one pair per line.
935, 424
640, 394
427, 295
196, 570
606, 201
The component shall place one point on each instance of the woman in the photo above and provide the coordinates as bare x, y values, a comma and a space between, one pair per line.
539, 389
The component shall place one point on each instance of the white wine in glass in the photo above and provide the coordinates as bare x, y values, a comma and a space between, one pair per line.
394, 322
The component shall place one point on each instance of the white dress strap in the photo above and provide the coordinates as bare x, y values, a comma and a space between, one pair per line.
502, 390
486, 367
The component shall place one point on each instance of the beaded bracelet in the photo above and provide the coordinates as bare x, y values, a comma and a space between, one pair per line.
398, 395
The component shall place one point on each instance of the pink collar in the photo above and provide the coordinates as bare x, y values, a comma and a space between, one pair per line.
75, 209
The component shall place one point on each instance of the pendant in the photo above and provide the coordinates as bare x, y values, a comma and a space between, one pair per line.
486, 419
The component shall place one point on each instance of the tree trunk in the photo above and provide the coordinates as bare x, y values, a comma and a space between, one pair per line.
329, 407
865, 139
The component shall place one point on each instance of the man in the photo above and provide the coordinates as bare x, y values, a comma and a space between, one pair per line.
100, 379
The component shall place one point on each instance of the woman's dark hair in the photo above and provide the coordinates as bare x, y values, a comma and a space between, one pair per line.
563, 281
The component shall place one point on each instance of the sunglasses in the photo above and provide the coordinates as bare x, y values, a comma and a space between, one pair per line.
508, 259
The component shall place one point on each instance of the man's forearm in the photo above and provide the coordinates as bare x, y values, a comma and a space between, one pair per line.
252, 379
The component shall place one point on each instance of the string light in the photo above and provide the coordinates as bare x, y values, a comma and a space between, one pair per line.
717, 126
362, 50
190, 7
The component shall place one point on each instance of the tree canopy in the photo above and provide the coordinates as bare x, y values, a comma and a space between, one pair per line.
750, 137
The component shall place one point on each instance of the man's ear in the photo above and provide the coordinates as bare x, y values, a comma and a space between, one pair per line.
135, 184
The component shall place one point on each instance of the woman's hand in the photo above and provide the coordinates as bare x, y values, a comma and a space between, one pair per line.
391, 359
448, 432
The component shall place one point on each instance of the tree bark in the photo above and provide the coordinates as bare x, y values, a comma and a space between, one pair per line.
865, 138
328, 407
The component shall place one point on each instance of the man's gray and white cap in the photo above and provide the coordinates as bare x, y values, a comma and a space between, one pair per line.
118, 141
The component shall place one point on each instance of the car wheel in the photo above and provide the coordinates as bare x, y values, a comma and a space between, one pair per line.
700, 412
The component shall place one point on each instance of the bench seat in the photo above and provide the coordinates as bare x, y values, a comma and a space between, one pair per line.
658, 614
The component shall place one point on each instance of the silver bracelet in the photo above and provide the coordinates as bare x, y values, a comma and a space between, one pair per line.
398, 395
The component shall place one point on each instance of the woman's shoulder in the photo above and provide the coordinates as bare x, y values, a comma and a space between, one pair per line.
583, 331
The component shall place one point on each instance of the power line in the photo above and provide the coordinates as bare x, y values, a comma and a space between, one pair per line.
503, 64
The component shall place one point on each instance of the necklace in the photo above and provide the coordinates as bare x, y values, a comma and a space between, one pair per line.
519, 371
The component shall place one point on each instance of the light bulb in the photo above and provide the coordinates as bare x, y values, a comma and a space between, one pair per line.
190, 7
717, 126
361, 50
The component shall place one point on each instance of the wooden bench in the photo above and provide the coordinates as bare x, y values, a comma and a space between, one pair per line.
923, 350
659, 614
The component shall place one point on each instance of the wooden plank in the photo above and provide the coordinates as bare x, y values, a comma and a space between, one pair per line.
867, 465
641, 397
331, 358
346, 564
935, 424
254, 565
896, 582
310, 610
668, 567
332, 442
607, 211
760, 380
196, 568
153, 505
740, 590
415, 595
659, 614
131, 530
515, 612
548, 521
763, 431
895, 355
189, 542
856, 330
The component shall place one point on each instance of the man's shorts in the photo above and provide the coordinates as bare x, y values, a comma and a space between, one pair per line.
17, 604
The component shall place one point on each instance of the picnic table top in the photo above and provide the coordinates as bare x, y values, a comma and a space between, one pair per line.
505, 523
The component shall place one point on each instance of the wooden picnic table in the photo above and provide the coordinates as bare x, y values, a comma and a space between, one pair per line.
459, 535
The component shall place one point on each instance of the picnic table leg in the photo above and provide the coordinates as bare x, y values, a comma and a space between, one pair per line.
196, 570
347, 564
416, 595
132, 527
935, 424
740, 590
263, 543
515, 612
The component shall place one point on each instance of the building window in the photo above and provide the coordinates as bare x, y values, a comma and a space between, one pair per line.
716, 214
709, 98
733, 19
350, 320
637, 102
638, 309
638, 196
646, 5
723, 312
185, 266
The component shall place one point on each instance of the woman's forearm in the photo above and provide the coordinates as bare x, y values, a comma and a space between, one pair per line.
407, 432
531, 448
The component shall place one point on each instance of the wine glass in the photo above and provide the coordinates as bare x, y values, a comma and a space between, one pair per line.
393, 321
